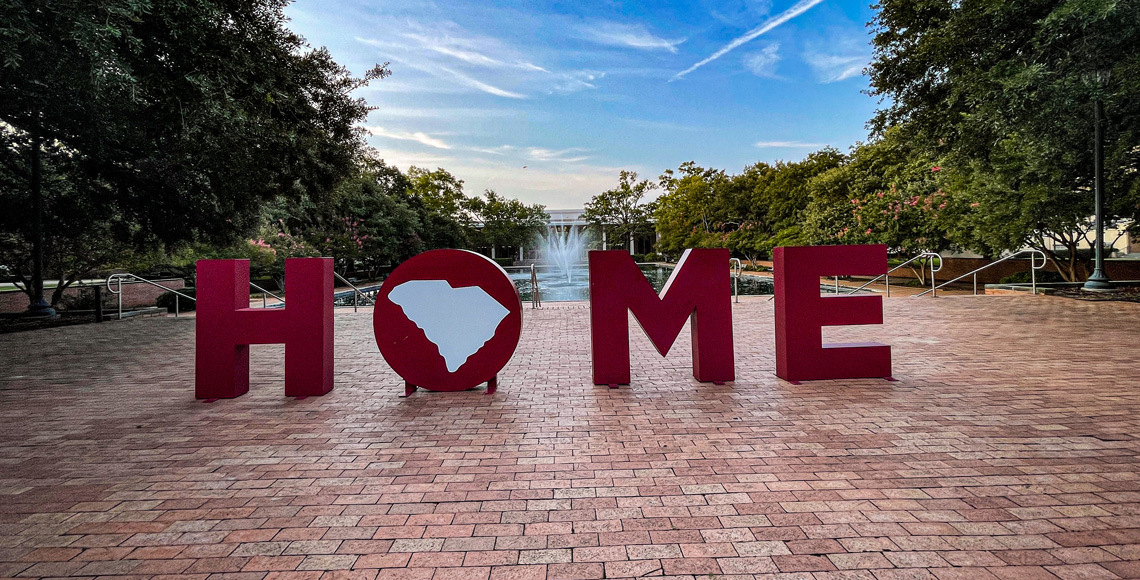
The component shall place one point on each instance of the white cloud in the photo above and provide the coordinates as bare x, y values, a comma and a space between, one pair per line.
800, 7
839, 54
460, 61
763, 63
403, 136
482, 86
497, 151
789, 144
428, 112
406, 159
555, 186
830, 68
543, 154
627, 35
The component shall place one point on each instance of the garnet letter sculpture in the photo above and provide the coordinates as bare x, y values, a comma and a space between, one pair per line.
801, 313
698, 289
226, 326
449, 320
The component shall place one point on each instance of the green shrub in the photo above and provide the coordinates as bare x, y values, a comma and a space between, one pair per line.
85, 299
505, 262
1024, 277
166, 300
652, 257
638, 258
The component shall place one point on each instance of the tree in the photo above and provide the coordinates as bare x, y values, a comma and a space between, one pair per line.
440, 191
79, 236
369, 221
751, 213
1003, 92
499, 222
691, 213
780, 194
193, 114
620, 212
440, 194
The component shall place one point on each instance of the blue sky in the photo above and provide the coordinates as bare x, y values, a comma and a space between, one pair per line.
548, 101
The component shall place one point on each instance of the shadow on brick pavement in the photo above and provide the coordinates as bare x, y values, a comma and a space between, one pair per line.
1007, 449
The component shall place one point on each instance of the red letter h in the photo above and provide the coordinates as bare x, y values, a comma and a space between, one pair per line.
226, 326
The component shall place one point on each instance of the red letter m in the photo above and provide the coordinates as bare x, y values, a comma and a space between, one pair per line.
698, 288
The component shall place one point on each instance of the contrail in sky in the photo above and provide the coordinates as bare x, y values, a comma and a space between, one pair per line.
790, 13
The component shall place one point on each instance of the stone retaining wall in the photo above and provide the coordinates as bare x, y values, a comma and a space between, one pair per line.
135, 294
1117, 269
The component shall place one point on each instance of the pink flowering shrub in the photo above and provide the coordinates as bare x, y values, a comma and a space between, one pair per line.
909, 219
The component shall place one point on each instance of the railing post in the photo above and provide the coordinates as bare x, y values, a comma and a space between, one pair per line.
932, 282
176, 305
1033, 273
975, 284
119, 283
736, 280
837, 285
933, 286
887, 277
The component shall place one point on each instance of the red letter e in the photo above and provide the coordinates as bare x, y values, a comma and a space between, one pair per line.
801, 313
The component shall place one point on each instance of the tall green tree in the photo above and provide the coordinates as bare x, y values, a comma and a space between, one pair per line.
1004, 92
690, 212
498, 221
79, 234
620, 213
447, 221
193, 113
781, 194
368, 222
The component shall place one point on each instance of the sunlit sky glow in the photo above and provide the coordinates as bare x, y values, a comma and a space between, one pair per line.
548, 101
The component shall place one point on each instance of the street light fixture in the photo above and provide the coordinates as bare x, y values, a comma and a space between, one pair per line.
1099, 280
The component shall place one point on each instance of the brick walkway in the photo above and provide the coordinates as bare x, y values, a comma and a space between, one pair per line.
1007, 448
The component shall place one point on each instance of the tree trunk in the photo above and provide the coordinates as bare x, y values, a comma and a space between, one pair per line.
37, 305
919, 272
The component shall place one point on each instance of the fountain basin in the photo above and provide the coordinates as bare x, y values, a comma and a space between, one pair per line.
555, 286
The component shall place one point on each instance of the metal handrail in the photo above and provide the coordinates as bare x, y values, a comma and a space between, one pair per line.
736, 266
1033, 268
356, 293
118, 278
263, 293
887, 276
535, 296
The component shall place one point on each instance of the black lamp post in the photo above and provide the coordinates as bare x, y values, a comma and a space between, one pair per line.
1099, 280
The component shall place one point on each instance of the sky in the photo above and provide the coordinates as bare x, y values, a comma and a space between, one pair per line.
547, 101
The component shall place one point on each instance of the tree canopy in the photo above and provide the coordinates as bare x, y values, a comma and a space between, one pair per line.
620, 213
1002, 93
188, 115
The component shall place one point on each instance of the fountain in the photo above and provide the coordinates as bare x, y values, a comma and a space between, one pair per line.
563, 275
563, 250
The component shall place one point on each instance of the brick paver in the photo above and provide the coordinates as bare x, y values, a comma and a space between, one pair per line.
1007, 448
